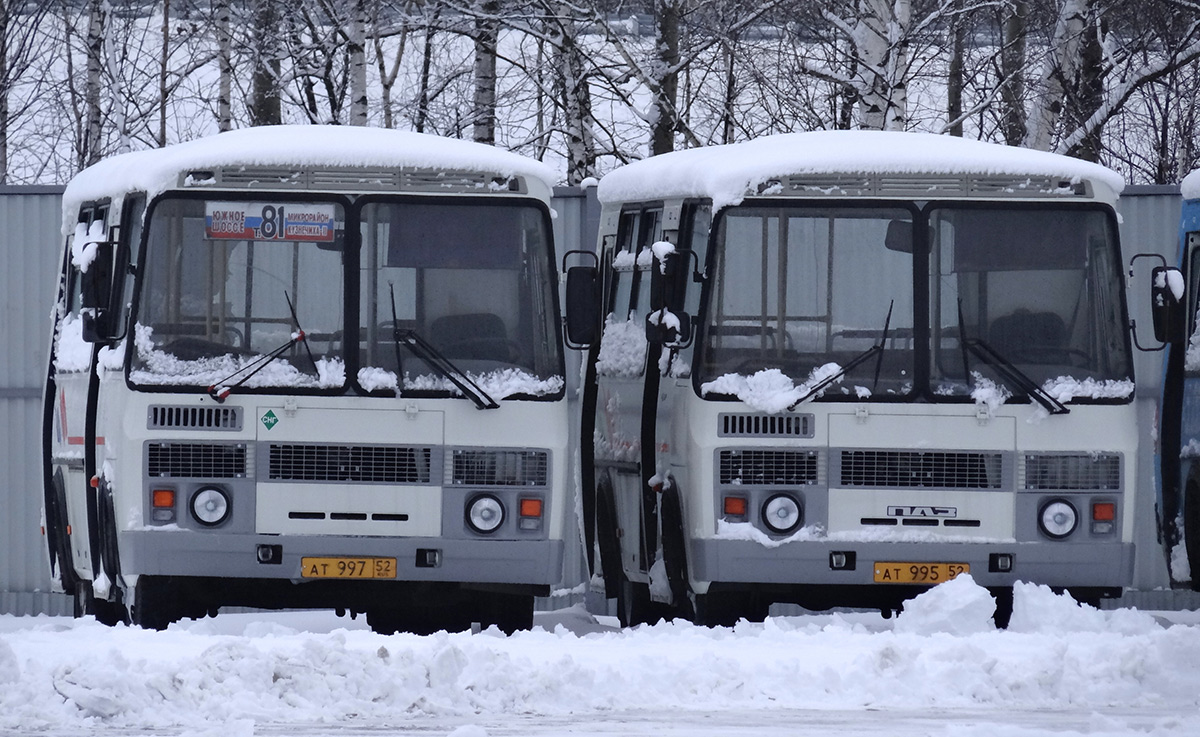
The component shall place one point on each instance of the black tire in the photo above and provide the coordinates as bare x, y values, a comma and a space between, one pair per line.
1191, 529
422, 618
155, 603
634, 606
509, 612
674, 548
726, 608
1004, 607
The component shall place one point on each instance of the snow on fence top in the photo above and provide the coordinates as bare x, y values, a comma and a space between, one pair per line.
726, 174
155, 170
1191, 186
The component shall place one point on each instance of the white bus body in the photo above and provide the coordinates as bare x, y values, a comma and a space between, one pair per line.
328, 374
836, 368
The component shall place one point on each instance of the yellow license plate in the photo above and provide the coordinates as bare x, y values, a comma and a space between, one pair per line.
348, 567
892, 572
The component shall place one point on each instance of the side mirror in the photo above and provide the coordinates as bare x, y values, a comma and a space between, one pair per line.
668, 328
583, 306
96, 286
1166, 304
667, 322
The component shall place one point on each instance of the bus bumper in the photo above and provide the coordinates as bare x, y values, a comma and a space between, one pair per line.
1102, 565
183, 553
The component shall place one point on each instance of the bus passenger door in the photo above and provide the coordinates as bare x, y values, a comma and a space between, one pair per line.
622, 378
1182, 396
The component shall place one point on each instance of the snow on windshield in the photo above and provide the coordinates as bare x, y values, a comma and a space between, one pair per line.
497, 384
769, 390
160, 367
726, 174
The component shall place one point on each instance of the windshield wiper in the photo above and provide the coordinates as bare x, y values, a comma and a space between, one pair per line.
424, 349
220, 390
1006, 369
875, 350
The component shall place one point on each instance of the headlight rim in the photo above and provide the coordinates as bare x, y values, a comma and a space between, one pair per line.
469, 516
766, 517
1045, 528
220, 493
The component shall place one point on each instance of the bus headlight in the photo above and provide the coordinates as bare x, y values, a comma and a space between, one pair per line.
1058, 518
781, 513
210, 506
485, 513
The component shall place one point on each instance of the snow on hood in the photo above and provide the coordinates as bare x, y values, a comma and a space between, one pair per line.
727, 173
155, 170
1190, 187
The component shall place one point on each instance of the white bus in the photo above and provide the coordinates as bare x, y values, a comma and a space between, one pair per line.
308, 367
835, 368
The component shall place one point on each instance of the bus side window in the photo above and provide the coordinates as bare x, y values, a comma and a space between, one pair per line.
623, 344
72, 354
1193, 289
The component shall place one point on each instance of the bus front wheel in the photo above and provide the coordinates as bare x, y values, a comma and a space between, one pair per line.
1191, 529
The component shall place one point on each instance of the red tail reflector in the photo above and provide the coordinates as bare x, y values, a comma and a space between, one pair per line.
735, 506
531, 507
1104, 511
163, 498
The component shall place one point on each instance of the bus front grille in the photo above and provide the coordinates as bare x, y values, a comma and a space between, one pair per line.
196, 460
480, 467
920, 469
1072, 471
168, 417
754, 467
378, 464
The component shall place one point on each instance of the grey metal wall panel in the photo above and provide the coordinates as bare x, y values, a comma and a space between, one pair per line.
30, 252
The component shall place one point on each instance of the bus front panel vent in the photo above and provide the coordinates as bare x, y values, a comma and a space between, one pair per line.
750, 425
196, 460
369, 464
905, 469
167, 417
753, 467
479, 467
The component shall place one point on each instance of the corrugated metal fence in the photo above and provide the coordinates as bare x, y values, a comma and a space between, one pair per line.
29, 251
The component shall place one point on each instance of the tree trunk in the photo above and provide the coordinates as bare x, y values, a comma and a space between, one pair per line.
487, 34
1061, 67
954, 77
225, 67
881, 38
1088, 92
266, 104
4, 86
665, 90
423, 83
577, 105
90, 150
358, 63
1012, 71
162, 74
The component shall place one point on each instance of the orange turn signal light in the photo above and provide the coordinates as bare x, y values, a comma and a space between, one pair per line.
163, 498
1104, 511
531, 507
735, 506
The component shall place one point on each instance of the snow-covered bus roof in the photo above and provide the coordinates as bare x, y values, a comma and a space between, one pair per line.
728, 173
1190, 186
156, 170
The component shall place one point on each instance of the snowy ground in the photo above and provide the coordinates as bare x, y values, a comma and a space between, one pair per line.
939, 669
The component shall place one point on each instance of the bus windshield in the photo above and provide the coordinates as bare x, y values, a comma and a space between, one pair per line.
1038, 289
795, 289
474, 281
227, 283
1024, 301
